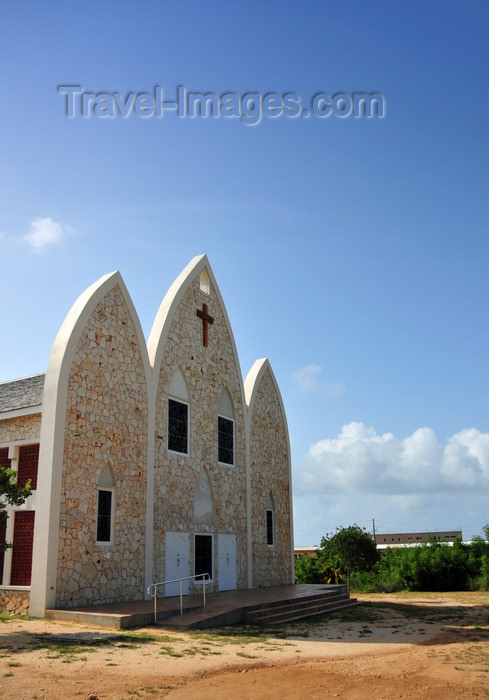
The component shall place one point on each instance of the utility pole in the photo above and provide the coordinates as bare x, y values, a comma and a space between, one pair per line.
373, 525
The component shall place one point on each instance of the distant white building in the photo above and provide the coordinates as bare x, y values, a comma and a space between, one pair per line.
395, 539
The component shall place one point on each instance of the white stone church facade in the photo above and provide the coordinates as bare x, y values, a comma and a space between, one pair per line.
148, 461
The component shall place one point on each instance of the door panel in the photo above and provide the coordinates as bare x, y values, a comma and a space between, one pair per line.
226, 545
177, 561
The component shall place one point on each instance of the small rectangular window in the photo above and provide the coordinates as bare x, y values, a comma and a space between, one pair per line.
104, 516
270, 528
177, 426
203, 555
225, 440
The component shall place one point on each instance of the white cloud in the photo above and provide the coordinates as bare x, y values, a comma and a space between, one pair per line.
45, 232
361, 461
307, 379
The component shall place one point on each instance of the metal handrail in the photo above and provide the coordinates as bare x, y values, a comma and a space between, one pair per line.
154, 586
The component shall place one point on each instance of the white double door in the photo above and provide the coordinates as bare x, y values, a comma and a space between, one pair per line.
177, 562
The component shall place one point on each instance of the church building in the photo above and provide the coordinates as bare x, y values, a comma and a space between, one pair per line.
147, 461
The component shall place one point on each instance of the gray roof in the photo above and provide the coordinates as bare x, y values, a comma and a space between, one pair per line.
21, 393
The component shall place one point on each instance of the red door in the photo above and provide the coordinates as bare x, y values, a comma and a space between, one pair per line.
20, 574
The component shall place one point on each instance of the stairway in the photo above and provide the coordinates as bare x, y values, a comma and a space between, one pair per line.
295, 609
281, 608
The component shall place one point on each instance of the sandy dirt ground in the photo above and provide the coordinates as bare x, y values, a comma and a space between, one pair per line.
398, 646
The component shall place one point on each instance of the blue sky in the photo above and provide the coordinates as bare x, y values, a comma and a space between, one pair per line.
352, 252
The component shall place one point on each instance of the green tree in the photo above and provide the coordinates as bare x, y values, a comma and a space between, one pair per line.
10, 494
308, 570
352, 548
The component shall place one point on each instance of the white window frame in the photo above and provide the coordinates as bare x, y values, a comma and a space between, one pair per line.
111, 490
233, 463
185, 403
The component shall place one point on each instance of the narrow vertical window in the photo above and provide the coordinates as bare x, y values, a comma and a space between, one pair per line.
104, 516
205, 283
177, 426
105, 507
270, 528
225, 428
225, 432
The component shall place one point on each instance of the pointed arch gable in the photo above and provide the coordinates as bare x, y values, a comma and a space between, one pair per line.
252, 383
270, 466
53, 428
158, 342
164, 316
178, 339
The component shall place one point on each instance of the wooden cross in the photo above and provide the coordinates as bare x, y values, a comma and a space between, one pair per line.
206, 319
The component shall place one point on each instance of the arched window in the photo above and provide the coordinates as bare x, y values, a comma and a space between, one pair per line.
178, 415
205, 283
105, 507
225, 429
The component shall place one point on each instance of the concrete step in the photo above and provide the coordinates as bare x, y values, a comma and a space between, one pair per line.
270, 612
294, 603
303, 600
289, 613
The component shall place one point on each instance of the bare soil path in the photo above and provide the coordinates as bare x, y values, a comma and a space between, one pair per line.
392, 646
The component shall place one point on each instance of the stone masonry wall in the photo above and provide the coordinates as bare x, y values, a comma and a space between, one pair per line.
14, 602
269, 475
106, 425
20, 428
207, 371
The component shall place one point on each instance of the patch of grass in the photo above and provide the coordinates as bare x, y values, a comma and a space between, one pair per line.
13, 663
9, 617
168, 638
246, 656
60, 651
168, 651
236, 638
147, 637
